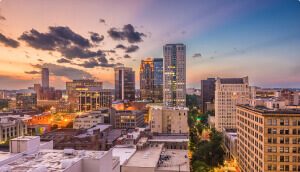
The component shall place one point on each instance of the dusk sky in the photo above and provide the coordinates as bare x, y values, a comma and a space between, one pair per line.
79, 39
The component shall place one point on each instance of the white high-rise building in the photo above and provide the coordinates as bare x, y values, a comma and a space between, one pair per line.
229, 92
175, 75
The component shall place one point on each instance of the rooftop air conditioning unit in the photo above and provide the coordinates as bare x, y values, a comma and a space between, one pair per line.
66, 163
69, 151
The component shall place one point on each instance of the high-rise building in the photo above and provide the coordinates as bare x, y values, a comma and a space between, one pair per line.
73, 88
94, 98
146, 79
268, 137
169, 119
124, 84
229, 92
174, 75
158, 64
45, 77
26, 99
208, 88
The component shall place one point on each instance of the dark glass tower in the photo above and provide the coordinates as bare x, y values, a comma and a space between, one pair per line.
124, 84
208, 88
146, 79
158, 64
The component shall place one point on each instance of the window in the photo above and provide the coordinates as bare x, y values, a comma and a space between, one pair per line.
287, 131
274, 167
287, 122
281, 149
269, 158
274, 149
286, 159
274, 158
294, 122
294, 131
281, 167
294, 159
287, 140
274, 121
294, 150
282, 140
269, 121
269, 131
269, 149
294, 168
281, 158
275, 140
269, 140
270, 167
287, 150
274, 130
294, 141
287, 168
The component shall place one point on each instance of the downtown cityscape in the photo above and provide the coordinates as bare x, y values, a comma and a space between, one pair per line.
149, 86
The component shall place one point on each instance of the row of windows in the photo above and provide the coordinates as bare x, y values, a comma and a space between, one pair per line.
283, 140
284, 168
283, 122
283, 150
283, 131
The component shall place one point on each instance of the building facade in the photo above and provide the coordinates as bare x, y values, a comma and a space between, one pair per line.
93, 99
147, 79
268, 139
229, 92
158, 65
129, 119
208, 88
168, 119
174, 75
124, 84
26, 99
10, 128
45, 77
73, 88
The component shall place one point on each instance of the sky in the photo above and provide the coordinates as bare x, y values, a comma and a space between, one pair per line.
79, 39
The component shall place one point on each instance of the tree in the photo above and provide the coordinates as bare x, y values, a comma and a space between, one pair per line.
199, 166
199, 127
54, 127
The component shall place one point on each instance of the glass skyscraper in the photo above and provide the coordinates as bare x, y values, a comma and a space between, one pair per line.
158, 64
124, 84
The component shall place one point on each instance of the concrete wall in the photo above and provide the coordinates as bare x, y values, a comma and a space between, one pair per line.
138, 169
77, 167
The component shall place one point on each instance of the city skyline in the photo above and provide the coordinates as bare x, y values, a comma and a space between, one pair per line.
223, 39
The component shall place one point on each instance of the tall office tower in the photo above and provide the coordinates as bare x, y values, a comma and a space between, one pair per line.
73, 88
208, 88
158, 64
268, 136
175, 75
124, 84
229, 92
45, 77
146, 79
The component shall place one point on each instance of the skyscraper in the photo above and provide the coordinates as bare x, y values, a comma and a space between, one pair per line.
124, 84
158, 64
146, 79
229, 93
45, 77
207, 92
175, 75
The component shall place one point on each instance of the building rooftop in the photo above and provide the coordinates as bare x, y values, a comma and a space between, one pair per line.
112, 135
26, 138
26, 91
177, 158
100, 127
266, 111
147, 157
171, 137
51, 160
123, 152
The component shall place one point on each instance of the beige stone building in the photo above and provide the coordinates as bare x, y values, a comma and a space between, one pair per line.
169, 119
268, 138
229, 92
129, 119
12, 127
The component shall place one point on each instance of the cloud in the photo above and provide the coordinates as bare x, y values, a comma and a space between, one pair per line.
102, 62
109, 51
128, 33
63, 71
101, 21
27, 56
32, 72
127, 56
130, 49
78, 52
196, 55
63, 60
183, 32
40, 60
8, 42
95, 37
15, 82
2, 18
111, 59
56, 37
